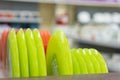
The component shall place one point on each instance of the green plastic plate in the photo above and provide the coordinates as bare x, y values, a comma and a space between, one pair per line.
40, 53
76, 67
32, 54
93, 60
58, 56
23, 55
14, 55
90, 66
82, 62
101, 60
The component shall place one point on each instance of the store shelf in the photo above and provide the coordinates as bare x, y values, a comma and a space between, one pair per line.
102, 46
110, 76
95, 4
20, 20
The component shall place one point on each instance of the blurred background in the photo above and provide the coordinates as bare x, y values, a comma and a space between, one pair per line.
87, 23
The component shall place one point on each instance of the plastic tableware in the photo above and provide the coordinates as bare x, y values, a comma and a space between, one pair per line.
23, 55
93, 60
13, 57
101, 60
75, 62
4, 48
88, 62
32, 54
82, 62
40, 53
45, 38
26, 55
58, 56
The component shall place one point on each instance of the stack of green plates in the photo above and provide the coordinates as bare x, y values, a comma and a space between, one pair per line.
88, 61
26, 56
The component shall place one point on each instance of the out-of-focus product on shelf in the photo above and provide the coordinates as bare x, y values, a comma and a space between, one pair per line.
96, 17
116, 17
19, 16
116, 57
6, 15
62, 19
102, 17
106, 33
113, 62
107, 17
84, 17
28, 15
61, 15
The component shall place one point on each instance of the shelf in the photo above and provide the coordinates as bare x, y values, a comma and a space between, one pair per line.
20, 21
95, 4
102, 46
110, 76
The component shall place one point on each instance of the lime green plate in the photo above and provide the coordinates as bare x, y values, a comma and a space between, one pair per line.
32, 54
14, 55
23, 55
76, 67
93, 60
58, 56
82, 64
40, 53
90, 66
101, 60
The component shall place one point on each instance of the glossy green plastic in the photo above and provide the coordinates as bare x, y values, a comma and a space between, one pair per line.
32, 54
82, 63
14, 55
23, 55
58, 56
76, 67
101, 60
40, 53
93, 60
90, 65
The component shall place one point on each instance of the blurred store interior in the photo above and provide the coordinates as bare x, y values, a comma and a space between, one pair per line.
87, 23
